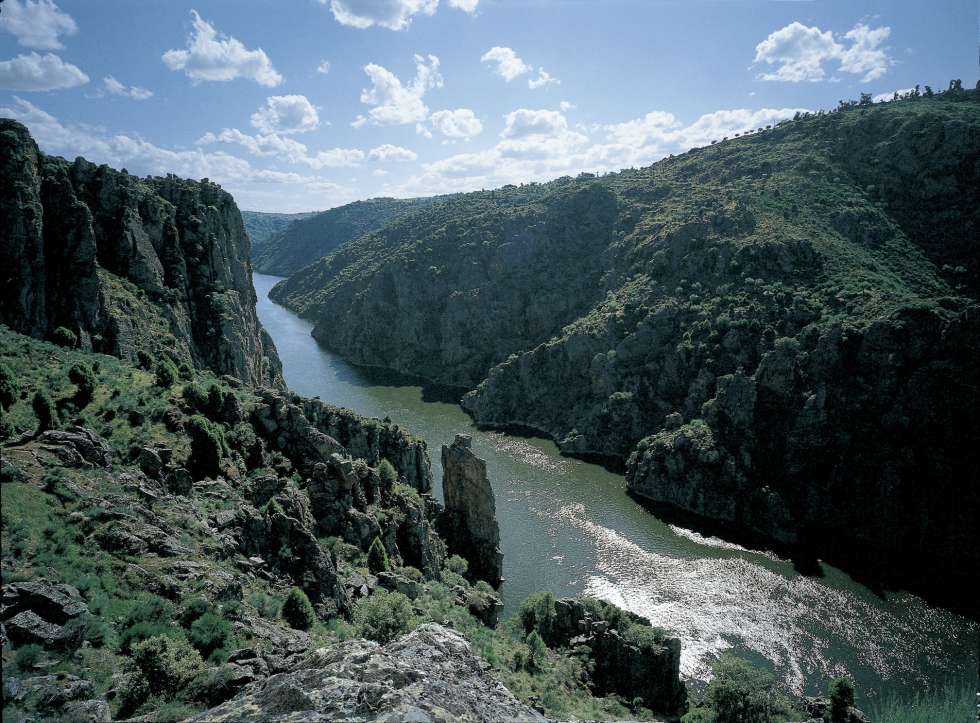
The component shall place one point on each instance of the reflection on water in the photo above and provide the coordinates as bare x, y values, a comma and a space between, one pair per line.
567, 526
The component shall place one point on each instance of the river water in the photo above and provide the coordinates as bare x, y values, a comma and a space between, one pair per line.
567, 526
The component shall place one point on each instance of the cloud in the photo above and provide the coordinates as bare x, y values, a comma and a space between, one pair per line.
509, 66
459, 123
565, 106
286, 149
798, 52
391, 14
114, 87
211, 55
544, 78
468, 6
395, 103
39, 72
286, 114
36, 24
884, 97
323, 67
388, 152
523, 122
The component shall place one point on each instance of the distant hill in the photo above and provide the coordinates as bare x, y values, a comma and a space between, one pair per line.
302, 242
779, 332
262, 226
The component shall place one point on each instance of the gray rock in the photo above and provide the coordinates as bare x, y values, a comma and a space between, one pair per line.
30, 628
56, 603
428, 675
78, 447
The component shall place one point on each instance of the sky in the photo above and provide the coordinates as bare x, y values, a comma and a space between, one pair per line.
298, 105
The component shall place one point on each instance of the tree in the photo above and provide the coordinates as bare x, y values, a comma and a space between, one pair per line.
166, 374
207, 446
44, 410
841, 693
378, 557
742, 693
84, 380
298, 611
167, 663
384, 616
8, 387
387, 472
65, 337
209, 632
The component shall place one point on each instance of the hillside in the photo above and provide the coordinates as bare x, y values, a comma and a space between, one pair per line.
301, 243
262, 226
777, 332
127, 266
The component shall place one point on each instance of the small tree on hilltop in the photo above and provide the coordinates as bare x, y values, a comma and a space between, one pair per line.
378, 557
298, 611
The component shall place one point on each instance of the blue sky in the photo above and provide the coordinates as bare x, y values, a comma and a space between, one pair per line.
306, 104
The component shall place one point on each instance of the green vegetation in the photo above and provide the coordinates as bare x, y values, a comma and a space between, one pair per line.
742, 693
44, 410
384, 616
167, 374
386, 470
262, 226
952, 704
378, 557
298, 611
65, 337
207, 446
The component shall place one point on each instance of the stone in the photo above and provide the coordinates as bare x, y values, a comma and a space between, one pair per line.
56, 603
28, 627
393, 582
150, 462
469, 522
180, 482
431, 674
77, 447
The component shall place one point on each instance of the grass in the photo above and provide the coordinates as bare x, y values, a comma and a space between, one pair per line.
955, 703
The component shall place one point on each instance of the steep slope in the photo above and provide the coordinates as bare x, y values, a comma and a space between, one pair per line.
124, 265
261, 226
306, 240
778, 332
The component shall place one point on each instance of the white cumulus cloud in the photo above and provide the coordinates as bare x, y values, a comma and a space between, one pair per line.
459, 123
508, 64
211, 55
114, 87
33, 71
36, 23
286, 114
395, 103
391, 14
468, 6
798, 52
544, 79
388, 152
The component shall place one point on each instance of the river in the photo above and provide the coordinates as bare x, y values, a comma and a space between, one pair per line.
567, 526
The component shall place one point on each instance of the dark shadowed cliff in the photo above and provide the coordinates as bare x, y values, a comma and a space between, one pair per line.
778, 332
127, 264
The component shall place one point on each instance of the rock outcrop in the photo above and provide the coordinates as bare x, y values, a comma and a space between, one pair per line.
469, 521
127, 264
428, 675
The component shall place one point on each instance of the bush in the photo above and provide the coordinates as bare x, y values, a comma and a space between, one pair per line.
384, 616
27, 656
167, 664
64, 337
298, 611
44, 410
166, 374
84, 380
456, 564
8, 387
387, 473
148, 616
207, 447
841, 693
538, 651
378, 557
6, 428
537, 613
742, 693
209, 633
193, 609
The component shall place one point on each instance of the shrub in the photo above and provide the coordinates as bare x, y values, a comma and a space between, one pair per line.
167, 664
207, 446
166, 374
742, 693
298, 611
6, 428
84, 380
44, 410
8, 387
383, 616
64, 337
841, 693
538, 651
193, 609
144, 360
27, 656
267, 605
537, 613
208, 633
378, 557
387, 473
148, 616
456, 564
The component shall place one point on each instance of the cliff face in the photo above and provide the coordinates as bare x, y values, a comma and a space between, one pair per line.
158, 265
805, 297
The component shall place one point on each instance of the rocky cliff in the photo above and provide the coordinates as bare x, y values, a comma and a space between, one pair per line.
307, 239
777, 331
469, 521
124, 265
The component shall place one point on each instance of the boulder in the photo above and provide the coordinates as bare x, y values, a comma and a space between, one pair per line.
469, 522
77, 447
431, 674
56, 603
28, 627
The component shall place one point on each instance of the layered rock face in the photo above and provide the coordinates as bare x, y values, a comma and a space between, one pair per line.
827, 263
469, 521
428, 675
159, 265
